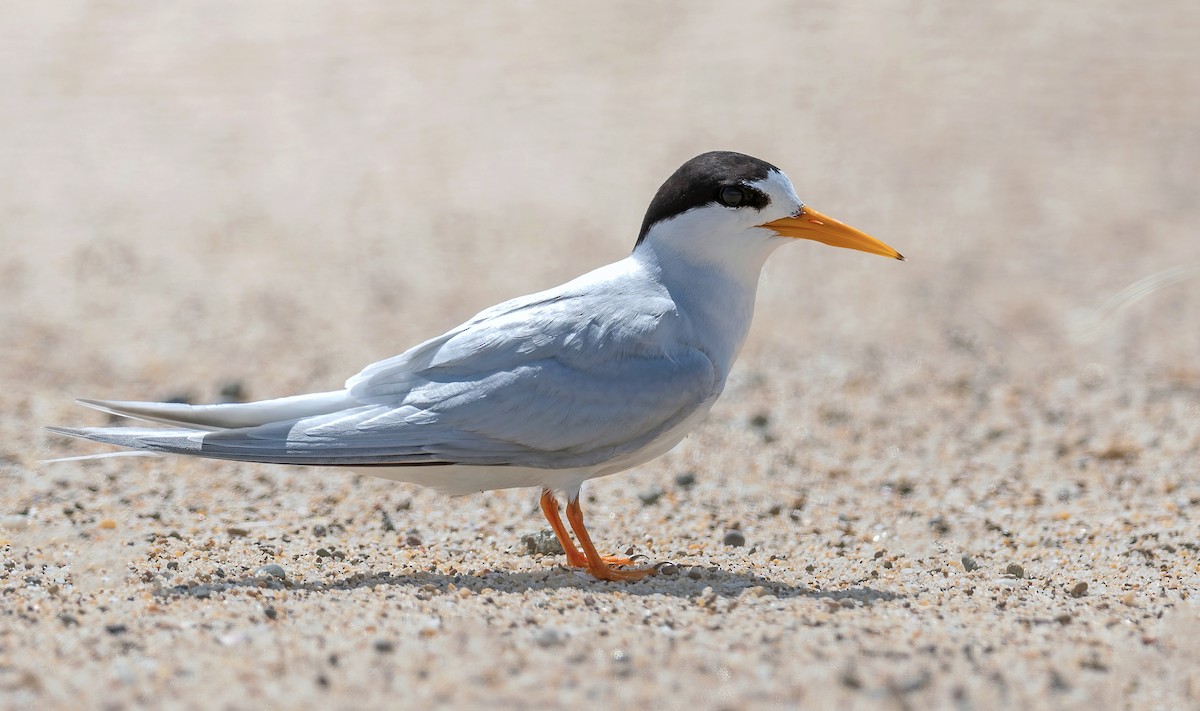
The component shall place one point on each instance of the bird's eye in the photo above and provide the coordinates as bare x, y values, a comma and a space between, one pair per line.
732, 196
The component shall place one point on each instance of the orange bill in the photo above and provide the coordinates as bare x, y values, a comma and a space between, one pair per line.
810, 224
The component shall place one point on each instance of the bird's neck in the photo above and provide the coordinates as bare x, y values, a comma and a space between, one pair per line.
714, 298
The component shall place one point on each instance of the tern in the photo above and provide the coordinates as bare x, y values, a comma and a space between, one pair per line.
587, 379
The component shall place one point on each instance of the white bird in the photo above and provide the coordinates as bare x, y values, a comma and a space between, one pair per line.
603, 373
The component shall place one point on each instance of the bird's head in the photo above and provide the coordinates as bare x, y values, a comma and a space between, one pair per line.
724, 205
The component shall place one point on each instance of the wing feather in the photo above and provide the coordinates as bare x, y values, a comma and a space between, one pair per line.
563, 379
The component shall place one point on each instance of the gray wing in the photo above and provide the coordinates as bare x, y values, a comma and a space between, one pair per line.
549, 381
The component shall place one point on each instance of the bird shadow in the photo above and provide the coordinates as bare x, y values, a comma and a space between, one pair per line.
696, 583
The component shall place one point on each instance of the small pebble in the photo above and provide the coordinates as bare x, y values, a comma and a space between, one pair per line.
384, 646
272, 569
1064, 618
685, 480
116, 629
107, 523
969, 564
233, 638
271, 613
1129, 598
695, 574
542, 543
735, 538
1015, 570
237, 531
323, 553
1079, 589
649, 497
232, 391
549, 637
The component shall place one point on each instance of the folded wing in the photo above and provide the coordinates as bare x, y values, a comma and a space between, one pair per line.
550, 381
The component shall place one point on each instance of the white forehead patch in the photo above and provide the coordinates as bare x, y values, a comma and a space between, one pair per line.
783, 196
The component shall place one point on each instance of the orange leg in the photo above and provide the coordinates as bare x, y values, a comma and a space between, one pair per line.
575, 559
597, 565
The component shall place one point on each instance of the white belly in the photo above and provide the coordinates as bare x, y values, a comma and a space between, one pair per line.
460, 479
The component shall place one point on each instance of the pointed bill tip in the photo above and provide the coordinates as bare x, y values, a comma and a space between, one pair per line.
810, 224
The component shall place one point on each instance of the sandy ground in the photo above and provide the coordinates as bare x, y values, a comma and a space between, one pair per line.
962, 482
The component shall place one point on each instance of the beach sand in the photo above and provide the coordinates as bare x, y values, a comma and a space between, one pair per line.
966, 481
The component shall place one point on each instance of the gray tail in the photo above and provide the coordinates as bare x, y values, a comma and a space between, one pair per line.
220, 417
144, 439
192, 422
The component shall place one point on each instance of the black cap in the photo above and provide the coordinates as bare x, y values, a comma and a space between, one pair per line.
698, 182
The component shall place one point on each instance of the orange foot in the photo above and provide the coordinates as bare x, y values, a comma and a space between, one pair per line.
599, 566
613, 560
604, 572
575, 559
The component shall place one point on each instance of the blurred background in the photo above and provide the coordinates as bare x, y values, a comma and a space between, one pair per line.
301, 188
258, 199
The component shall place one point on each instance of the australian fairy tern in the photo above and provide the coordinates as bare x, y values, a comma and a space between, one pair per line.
590, 378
